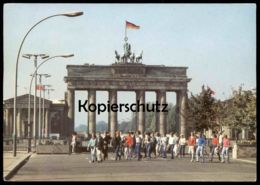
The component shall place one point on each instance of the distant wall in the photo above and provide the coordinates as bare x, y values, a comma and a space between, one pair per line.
244, 151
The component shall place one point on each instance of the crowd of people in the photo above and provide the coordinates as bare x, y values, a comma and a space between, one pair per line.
135, 146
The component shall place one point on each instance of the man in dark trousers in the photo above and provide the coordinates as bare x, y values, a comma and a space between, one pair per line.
117, 145
107, 139
100, 143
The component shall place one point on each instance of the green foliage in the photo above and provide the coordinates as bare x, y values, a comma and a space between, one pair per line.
238, 112
241, 110
201, 111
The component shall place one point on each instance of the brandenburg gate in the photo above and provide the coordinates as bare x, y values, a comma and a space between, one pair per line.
128, 74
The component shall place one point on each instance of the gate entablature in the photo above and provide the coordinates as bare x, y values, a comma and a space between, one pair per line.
125, 76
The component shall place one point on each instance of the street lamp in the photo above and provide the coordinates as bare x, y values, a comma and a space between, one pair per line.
72, 14
28, 56
29, 105
43, 110
40, 117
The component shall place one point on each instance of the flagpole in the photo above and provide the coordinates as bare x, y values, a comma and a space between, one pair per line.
125, 32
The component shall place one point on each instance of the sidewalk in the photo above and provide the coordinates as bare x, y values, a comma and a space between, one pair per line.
11, 163
246, 160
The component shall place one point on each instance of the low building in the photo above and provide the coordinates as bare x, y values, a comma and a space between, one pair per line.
53, 118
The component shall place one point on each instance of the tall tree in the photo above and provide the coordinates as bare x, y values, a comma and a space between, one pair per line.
221, 113
201, 111
242, 110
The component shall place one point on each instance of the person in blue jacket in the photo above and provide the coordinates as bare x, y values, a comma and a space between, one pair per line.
201, 143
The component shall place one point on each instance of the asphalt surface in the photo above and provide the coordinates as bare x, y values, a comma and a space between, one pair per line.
77, 168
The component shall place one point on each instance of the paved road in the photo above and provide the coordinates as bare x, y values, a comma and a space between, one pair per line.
77, 168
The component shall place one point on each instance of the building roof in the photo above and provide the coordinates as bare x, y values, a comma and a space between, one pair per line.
23, 100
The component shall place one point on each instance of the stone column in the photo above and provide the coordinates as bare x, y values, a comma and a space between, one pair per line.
157, 114
108, 124
11, 121
88, 126
70, 102
182, 116
4, 123
92, 114
19, 123
113, 115
47, 124
136, 114
177, 112
140, 95
8, 124
162, 119
23, 125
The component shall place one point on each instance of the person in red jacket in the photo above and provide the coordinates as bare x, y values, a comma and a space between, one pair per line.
214, 146
129, 144
225, 152
191, 144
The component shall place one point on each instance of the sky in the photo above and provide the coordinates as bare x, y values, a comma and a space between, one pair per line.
217, 42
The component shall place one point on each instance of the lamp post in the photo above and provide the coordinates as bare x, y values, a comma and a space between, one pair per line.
40, 101
29, 104
47, 129
28, 56
43, 110
72, 14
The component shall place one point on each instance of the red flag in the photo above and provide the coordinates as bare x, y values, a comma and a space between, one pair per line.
40, 87
131, 25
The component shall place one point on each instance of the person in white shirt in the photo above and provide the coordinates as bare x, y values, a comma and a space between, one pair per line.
158, 144
73, 142
138, 143
176, 148
147, 143
172, 142
164, 142
220, 139
182, 143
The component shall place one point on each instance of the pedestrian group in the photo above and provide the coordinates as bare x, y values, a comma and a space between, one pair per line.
134, 146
